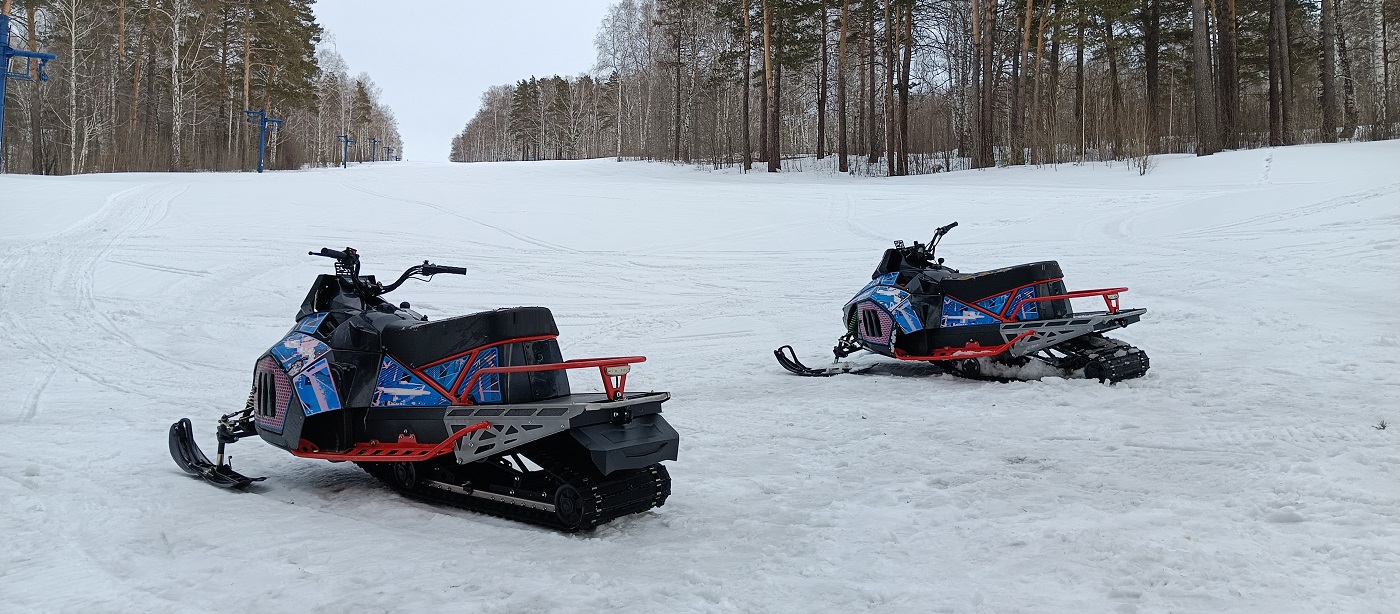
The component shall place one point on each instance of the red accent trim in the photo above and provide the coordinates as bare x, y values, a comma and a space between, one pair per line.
407, 448
489, 345
1006, 309
971, 350
1004, 315
430, 381
615, 389
1110, 297
457, 399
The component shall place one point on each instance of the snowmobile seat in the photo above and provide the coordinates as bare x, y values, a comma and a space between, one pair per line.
978, 286
418, 343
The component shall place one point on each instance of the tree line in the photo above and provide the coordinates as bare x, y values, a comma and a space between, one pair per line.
914, 86
162, 85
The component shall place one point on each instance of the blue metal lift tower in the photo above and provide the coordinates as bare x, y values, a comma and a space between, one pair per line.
345, 141
263, 122
7, 52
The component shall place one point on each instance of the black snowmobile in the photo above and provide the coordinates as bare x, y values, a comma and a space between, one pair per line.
988, 325
473, 411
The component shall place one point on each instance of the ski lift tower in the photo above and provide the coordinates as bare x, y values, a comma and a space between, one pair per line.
7, 52
388, 153
345, 141
263, 122
373, 149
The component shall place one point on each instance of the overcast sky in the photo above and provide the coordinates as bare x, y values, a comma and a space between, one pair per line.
434, 58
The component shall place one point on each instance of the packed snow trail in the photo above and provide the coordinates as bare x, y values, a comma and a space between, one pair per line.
1244, 473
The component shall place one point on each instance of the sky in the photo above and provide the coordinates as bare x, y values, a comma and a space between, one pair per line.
433, 59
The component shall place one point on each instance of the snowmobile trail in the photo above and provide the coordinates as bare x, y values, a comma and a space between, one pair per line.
1243, 473
441, 209
30, 407
55, 275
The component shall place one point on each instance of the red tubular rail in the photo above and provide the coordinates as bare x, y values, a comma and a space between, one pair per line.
407, 448
1110, 298
971, 350
614, 371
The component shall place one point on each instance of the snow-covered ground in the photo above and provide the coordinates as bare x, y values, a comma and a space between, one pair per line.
1244, 473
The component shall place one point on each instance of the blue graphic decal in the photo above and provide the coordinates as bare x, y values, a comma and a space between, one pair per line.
896, 302
957, 313
310, 323
297, 351
905, 317
995, 303
889, 297
488, 388
399, 387
888, 279
316, 390
446, 373
1027, 311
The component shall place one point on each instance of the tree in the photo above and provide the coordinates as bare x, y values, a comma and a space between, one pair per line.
1202, 80
928, 85
156, 85
842, 147
1328, 40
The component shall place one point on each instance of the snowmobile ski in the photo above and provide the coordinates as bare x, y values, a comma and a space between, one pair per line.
788, 359
191, 459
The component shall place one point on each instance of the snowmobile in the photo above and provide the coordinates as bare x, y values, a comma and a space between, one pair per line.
473, 411
988, 325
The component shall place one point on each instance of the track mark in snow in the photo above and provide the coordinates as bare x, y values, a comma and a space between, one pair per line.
1303, 211
856, 227
157, 267
441, 209
57, 274
1268, 166
30, 408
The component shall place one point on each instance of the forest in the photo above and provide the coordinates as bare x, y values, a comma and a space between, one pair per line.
895, 87
162, 85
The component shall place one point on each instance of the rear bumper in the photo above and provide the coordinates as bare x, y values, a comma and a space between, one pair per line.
643, 441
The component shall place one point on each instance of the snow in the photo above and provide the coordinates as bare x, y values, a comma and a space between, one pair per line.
1244, 473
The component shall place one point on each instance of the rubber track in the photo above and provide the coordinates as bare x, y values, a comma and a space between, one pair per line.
635, 492
1132, 364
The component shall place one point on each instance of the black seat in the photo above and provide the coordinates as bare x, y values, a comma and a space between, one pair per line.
419, 343
973, 287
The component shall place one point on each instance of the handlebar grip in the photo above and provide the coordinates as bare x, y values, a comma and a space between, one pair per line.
329, 253
433, 269
945, 229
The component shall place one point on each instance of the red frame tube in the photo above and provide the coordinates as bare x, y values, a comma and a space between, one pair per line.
407, 448
1110, 298
971, 350
615, 385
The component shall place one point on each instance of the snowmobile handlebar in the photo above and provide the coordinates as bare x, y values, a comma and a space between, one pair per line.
331, 253
427, 268
347, 264
433, 269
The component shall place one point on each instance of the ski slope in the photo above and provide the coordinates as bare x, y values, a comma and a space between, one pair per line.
1244, 473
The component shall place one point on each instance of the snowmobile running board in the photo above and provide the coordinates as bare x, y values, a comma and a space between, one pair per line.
971, 350
190, 458
407, 448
